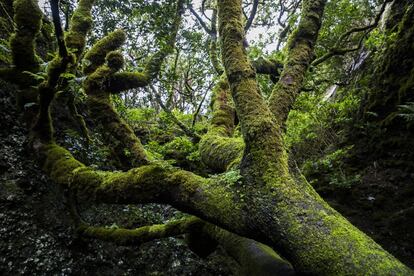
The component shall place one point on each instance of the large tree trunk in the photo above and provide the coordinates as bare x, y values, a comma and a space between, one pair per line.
266, 203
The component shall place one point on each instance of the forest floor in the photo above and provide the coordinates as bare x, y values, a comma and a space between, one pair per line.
37, 237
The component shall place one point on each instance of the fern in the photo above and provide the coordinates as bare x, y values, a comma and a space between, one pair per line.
406, 111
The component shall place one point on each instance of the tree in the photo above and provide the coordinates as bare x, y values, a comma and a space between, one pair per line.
265, 202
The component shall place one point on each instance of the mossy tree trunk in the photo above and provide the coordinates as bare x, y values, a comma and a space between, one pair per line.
266, 203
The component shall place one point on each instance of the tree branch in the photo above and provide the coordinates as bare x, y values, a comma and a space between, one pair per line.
218, 149
338, 52
139, 235
252, 15
54, 5
300, 55
200, 20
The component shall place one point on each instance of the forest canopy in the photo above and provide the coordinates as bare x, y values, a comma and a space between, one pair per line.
279, 132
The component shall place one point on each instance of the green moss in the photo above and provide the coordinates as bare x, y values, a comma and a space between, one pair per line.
80, 25
59, 164
101, 82
28, 19
95, 57
218, 152
124, 81
115, 60
300, 53
140, 235
95, 84
218, 149
223, 109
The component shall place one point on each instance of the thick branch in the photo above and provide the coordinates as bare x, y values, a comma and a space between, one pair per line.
218, 149
28, 19
300, 54
95, 57
257, 123
80, 25
126, 146
255, 258
123, 81
267, 66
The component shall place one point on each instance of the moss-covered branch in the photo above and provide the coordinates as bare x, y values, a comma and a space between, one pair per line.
218, 149
28, 22
28, 19
254, 258
268, 67
123, 81
104, 79
80, 25
258, 126
127, 147
139, 235
95, 57
300, 55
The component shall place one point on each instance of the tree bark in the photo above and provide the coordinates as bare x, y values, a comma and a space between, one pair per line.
265, 203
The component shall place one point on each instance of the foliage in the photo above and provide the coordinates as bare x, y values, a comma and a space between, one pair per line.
331, 170
5, 52
97, 154
316, 125
407, 112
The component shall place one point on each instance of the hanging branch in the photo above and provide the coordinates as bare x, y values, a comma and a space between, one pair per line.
203, 9
339, 52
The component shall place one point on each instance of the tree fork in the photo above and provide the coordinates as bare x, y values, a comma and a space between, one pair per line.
287, 212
